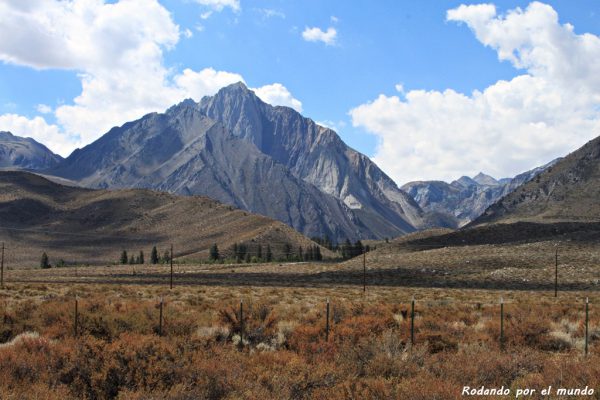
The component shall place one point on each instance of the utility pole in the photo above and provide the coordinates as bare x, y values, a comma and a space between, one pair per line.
2, 268
171, 266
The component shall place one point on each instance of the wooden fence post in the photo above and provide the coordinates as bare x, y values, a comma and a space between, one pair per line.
501, 323
2, 268
241, 323
587, 317
76, 318
171, 280
160, 318
327, 322
412, 321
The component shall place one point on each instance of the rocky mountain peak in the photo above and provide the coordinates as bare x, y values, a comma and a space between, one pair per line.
484, 179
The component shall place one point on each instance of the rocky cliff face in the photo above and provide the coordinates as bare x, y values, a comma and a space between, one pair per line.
239, 150
25, 153
318, 156
465, 199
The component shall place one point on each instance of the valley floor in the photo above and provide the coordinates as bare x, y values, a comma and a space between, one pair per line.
117, 348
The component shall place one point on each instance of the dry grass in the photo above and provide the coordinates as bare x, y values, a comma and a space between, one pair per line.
283, 354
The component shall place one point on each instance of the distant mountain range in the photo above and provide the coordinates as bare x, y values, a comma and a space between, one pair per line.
568, 191
269, 160
25, 153
463, 200
241, 151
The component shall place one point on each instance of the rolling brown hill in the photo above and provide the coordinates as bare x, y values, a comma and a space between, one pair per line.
94, 226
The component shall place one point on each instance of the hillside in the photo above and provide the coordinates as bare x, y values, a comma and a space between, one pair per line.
25, 153
566, 192
241, 151
94, 226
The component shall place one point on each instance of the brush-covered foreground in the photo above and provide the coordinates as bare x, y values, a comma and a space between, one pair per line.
118, 352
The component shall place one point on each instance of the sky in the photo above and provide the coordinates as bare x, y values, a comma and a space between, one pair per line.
429, 90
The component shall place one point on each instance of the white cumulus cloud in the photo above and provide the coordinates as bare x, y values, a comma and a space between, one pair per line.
117, 51
315, 34
36, 128
552, 108
278, 95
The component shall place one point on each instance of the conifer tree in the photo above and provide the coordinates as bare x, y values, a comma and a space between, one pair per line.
269, 255
124, 258
154, 256
44, 263
141, 258
214, 252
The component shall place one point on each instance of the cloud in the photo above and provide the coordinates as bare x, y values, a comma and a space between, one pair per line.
271, 13
188, 34
512, 125
317, 35
219, 5
117, 50
36, 128
279, 95
206, 82
43, 109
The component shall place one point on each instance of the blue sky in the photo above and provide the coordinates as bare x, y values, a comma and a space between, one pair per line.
349, 82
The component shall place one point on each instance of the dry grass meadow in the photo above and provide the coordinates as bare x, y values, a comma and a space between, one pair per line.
119, 352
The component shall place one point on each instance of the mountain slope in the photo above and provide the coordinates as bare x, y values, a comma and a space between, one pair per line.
185, 152
25, 153
94, 226
316, 155
465, 199
566, 192
269, 160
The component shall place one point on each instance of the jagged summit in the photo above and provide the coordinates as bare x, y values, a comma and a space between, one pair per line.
25, 153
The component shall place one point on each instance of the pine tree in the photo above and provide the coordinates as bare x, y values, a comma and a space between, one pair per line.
317, 254
166, 257
214, 252
300, 253
154, 256
132, 259
247, 258
141, 257
44, 263
259, 252
124, 258
269, 255
287, 251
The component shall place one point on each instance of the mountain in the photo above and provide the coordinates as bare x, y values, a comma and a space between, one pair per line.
241, 151
94, 226
465, 199
25, 153
568, 191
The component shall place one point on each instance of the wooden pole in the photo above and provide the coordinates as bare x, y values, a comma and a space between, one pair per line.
501, 323
327, 322
241, 322
364, 271
171, 284
587, 317
2, 268
75, 322
160, 318
412, 322
556, 274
